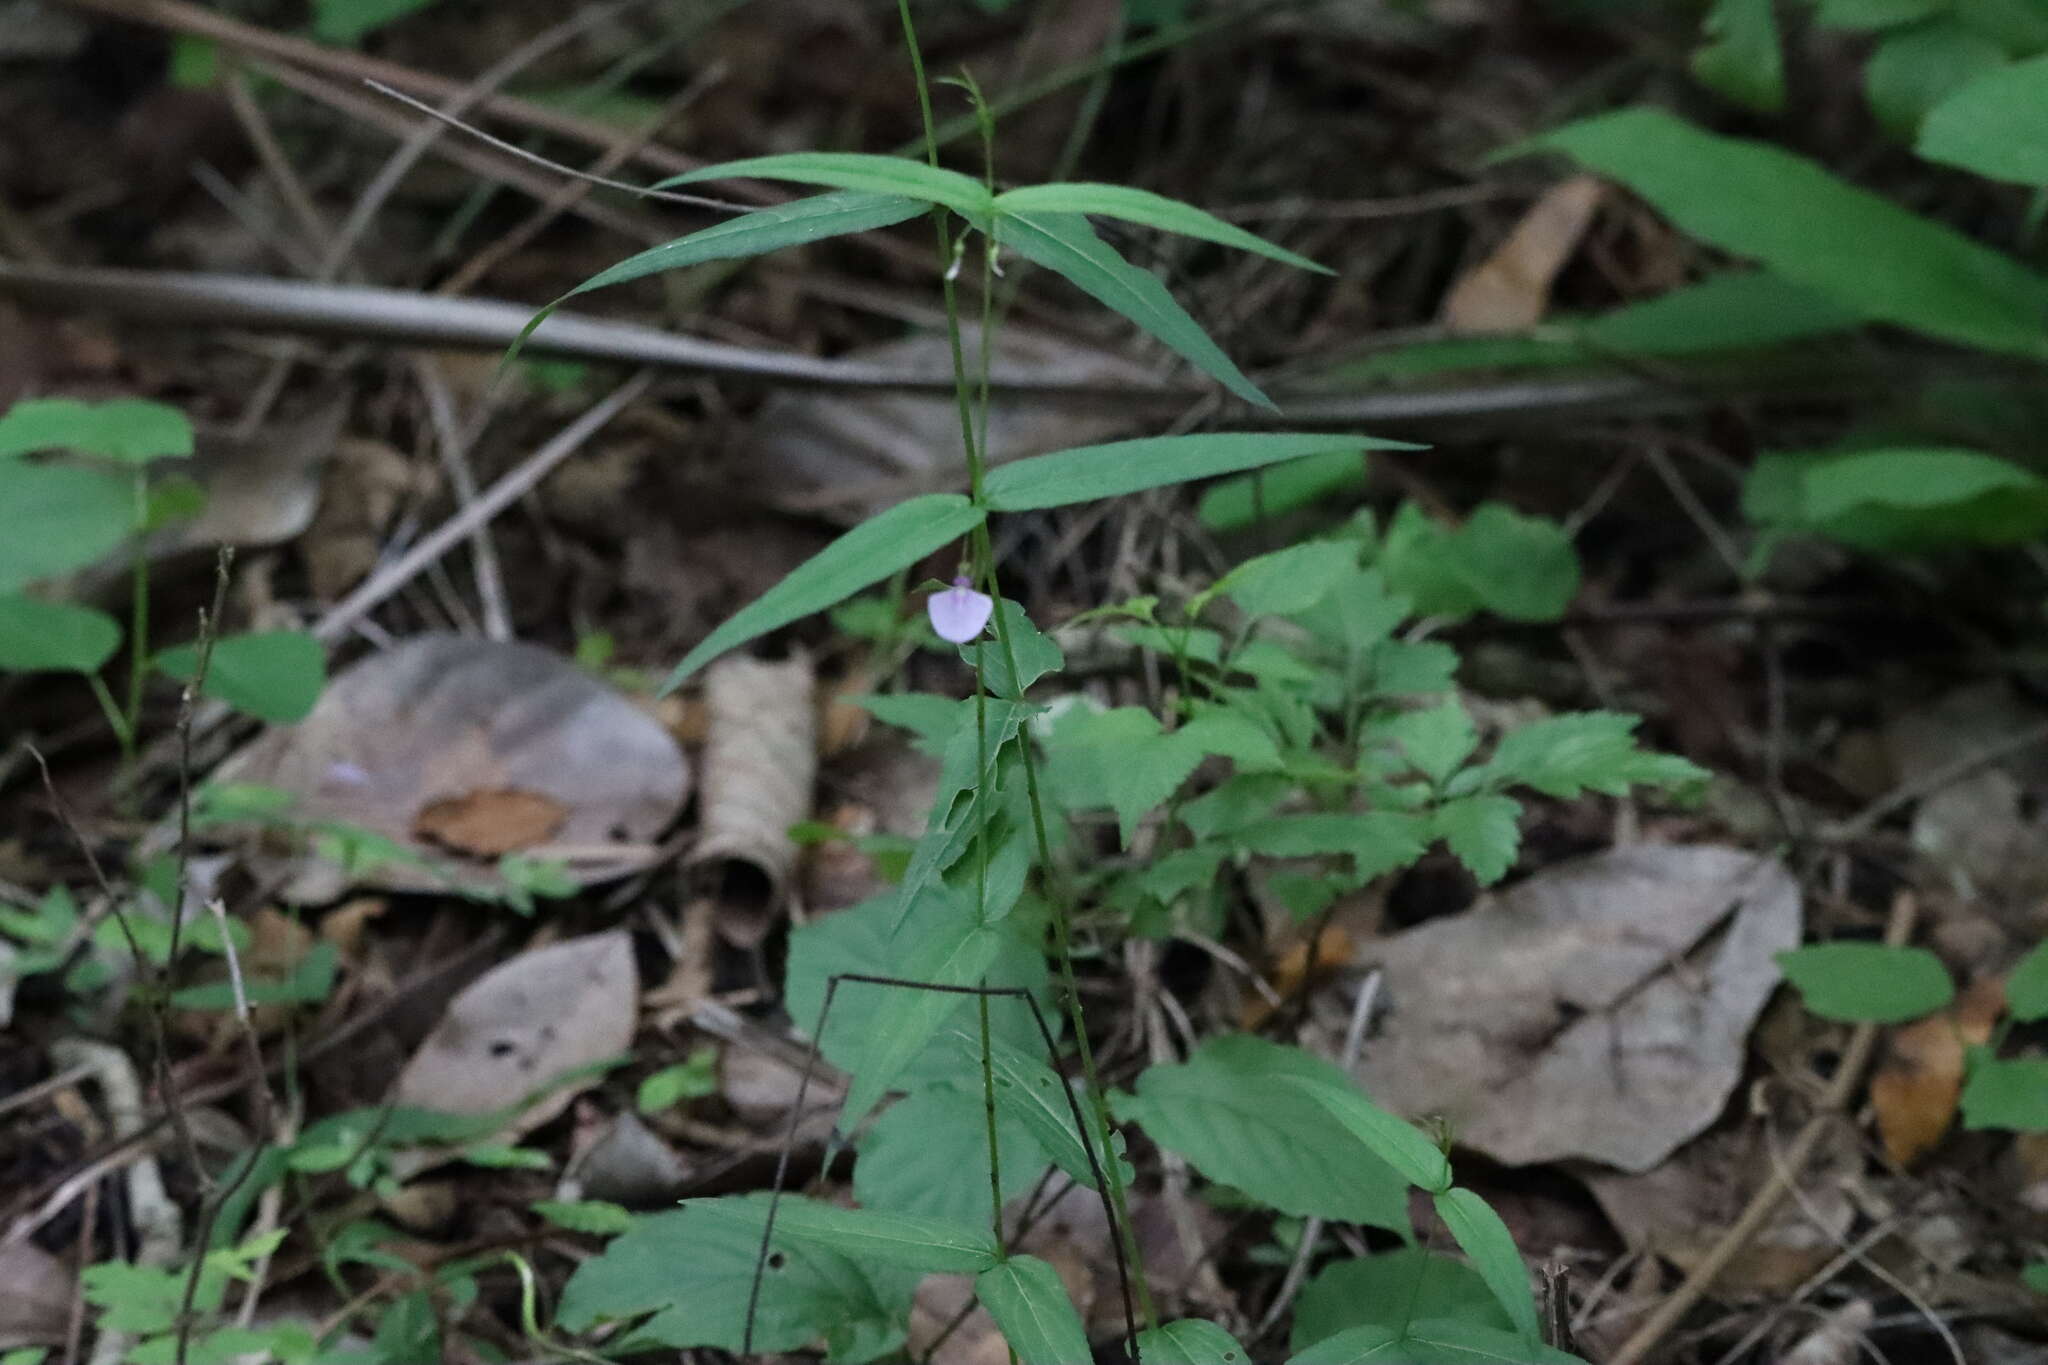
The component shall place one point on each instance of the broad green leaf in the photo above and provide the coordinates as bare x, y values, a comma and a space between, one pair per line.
1391, 1290
1087, 473
274, 675
1916, 68
927, 1155
693, 1269
1794, 216
759, 232
1290, 580
870, 1237
1377, 841
1035, 653
1742, 59
1151, 210
868, 553
1243, 1111
1064, 244
1434, 1341
1564, 756
1899, 498
1395, 1141
1520, 567
1436, 739
1233, 504
1996, 126
1030, 1304
2026, 988
2020, 26
1875, 14
38, 636
1491, 1247
59, 517
1030, 1093
1859, 982
2006, 1094
887, 175
1191, 1341
1482, 832
129, 430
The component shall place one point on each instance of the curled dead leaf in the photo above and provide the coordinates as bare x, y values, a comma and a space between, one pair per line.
1915, 1088
760, 760
1510, 290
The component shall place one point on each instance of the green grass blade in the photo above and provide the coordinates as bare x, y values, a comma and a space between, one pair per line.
963, 194
1149, 210
1065, 244
867, 554
1086, 473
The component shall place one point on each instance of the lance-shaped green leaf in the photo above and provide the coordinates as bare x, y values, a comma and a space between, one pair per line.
1086, 473
1151, 210
1065, 244
1809, 227
759, 232
1997, 125
38, 636
1487, 1241
1037, 1097
1395, 1141
1191, 1341
933, 1245
963, 194
1025, 1297
867, 554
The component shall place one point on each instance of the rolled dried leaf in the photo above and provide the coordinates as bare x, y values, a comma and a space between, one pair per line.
760, 761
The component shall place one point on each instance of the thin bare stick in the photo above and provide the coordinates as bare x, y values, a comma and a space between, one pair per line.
1833, 1101
277, 165
515, 484
1867, 819
453, 448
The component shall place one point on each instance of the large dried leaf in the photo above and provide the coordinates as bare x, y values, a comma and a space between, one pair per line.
526, 1027
412, 742
760, 758
35, 1296
1599, 1009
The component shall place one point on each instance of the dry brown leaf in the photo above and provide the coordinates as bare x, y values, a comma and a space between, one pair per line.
1290, 975
365, 484
516, 1032
1915, 1088
489, 824
760, 760
35, 1296
440, 718
1599, 1009
1510, 290
1984, 830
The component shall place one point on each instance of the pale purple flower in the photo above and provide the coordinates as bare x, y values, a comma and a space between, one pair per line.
959, 613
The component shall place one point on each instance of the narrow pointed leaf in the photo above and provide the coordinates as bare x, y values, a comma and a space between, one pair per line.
1030, 1091
1395, 1141
1191, 1341
907, 1020
1066, 245
1025, 1297
1151, 210
933, 1245
1118, 467
762, 231
1491, 1247
855, 171
868, 553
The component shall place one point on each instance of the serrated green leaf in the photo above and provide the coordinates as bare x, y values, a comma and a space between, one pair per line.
1794, 216
1742, 60
2026, 988
1435, 739
1087, 473
1143, 207
693, 1268
130, 430
1029, 1303
1395, 1141
1377, 841
1916, 68
2010, 1094
1995, 126
861, 171
868, 553
762, 231
1290, 580
1064, 244
1036, 654
1487, 1241
1482, 832
1520, 567
1857, 982
38, 636
274, 675
927, 1156
59, 517
1233, 504
1391, 1290
1191, 1341
1565, 756
594, 1217
1243, 1111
